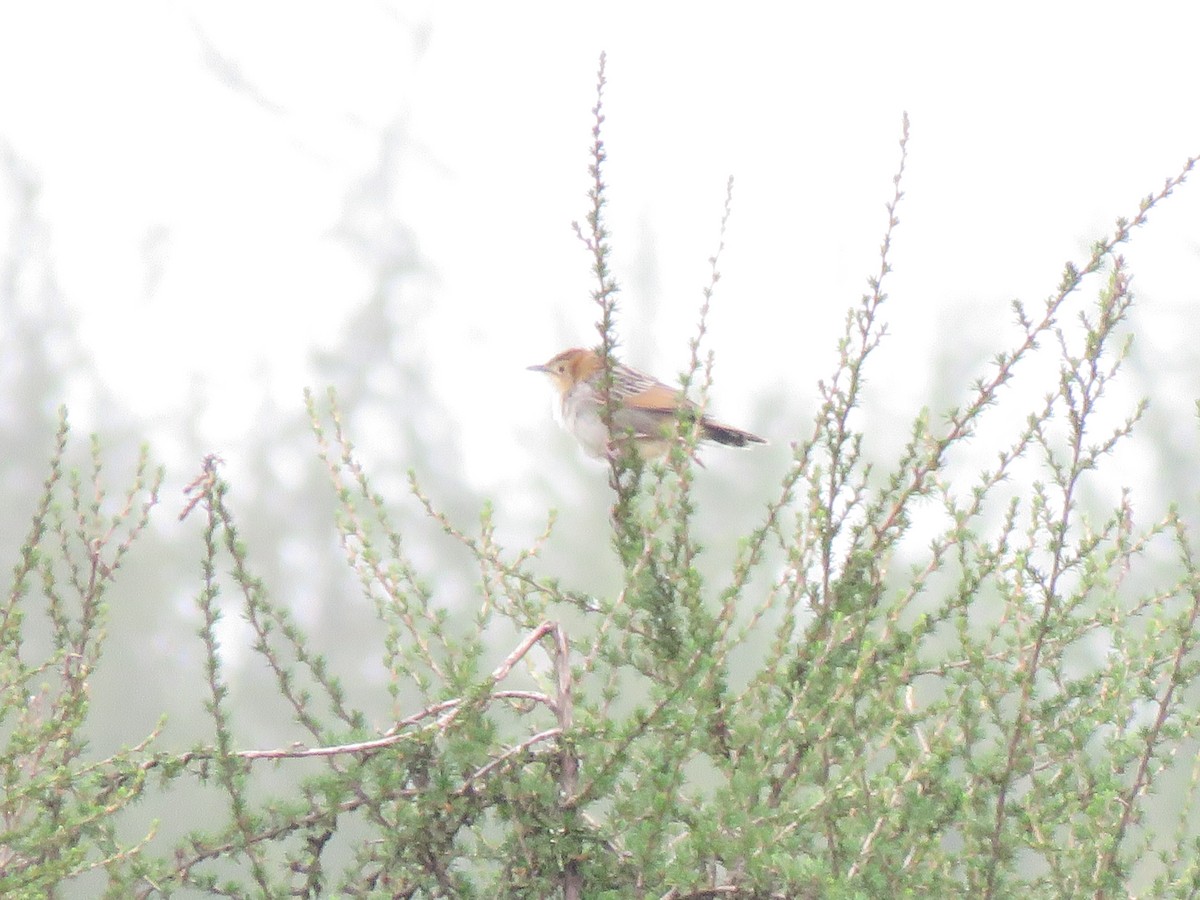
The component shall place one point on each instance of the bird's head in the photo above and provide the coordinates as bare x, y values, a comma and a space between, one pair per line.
570, 367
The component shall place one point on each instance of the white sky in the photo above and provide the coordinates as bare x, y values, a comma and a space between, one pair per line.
183, 215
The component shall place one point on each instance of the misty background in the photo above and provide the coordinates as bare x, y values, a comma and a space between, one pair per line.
207, 207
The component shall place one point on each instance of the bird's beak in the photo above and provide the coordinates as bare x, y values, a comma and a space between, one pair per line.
541, 367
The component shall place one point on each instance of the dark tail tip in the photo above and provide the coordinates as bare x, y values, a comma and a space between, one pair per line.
731, 437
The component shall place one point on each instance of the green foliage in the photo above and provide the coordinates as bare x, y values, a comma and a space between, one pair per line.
59, 808
981, 706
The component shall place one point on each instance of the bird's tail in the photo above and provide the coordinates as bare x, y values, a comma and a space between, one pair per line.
728, 435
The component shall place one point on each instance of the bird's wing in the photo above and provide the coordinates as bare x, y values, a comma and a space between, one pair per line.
643, 392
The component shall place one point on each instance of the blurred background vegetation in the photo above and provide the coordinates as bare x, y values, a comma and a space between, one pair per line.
381, 356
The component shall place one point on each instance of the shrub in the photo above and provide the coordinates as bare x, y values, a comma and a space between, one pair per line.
914, 680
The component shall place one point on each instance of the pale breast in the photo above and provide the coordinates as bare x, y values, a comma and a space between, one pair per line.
581, 417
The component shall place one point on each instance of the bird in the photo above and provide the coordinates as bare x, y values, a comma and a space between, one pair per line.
644, 408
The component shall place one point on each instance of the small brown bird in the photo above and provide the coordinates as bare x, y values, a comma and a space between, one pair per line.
642, 406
